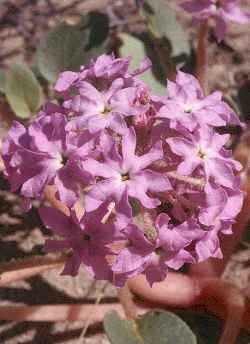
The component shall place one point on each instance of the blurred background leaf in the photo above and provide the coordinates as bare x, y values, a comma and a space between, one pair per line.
156, 326
163, 25
164, 327
23, 91
120, 331
207, 328
138, 49
67, 47
243, 100
2, 81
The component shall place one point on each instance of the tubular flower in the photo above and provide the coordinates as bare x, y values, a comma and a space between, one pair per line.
126, 174
45, 154
154, 177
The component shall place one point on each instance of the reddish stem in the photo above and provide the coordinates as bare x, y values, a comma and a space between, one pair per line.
49, 194
126, 299
52, 313
16, 270
201, 55
217, 296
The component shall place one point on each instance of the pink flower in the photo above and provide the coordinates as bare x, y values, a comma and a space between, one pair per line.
101, 73
97, 110
222, 11
153, 256
106, 67
128, 173
87, 238
216, 216
113, 146
205, 149
186, 105
46, 154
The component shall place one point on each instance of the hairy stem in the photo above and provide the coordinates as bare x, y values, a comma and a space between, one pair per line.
126, 299
201, 55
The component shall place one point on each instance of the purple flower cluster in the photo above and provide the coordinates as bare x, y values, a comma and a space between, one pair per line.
152, 173
222, 11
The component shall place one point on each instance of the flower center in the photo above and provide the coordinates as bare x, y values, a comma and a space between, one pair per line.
125, 177
159, 251
64, 160
60, 161
188, 108
86, 237
202, 155
106, 111
143, 97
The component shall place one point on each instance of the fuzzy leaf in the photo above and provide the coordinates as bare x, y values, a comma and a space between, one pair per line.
23, 91
157, 326
164, 327
120, 331
67, 47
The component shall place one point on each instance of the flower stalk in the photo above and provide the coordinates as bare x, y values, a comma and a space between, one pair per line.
126, 299
201, 55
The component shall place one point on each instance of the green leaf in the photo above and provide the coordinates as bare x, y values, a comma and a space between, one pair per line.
2, 81
138, 48
157, 326
67, 47
162, 23
23, 91
120, 331
164, 327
